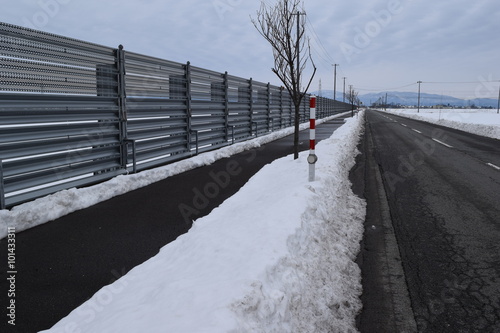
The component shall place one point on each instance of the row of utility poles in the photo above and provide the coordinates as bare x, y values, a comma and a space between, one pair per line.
335, 85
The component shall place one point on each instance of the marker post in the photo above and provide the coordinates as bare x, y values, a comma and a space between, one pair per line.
312, 158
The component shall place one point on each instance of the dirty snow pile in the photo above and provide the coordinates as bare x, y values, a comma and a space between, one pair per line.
54, 206
484, 122
278, 256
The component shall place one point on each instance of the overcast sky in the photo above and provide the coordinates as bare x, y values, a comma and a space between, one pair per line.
380, 45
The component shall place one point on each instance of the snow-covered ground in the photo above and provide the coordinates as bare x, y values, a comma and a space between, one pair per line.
278, 256
478, 121
51, 207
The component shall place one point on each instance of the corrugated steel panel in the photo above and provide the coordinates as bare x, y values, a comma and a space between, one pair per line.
69, 110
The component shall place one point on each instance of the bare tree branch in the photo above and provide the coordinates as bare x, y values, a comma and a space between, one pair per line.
282, 27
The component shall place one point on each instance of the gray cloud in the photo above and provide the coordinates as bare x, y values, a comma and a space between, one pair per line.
446, 40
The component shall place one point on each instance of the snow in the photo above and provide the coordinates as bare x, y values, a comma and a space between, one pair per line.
484, 122
278, 256
54, 206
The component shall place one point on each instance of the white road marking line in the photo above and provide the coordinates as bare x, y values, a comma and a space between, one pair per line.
404, 125
493, 166
416, 131
441, 142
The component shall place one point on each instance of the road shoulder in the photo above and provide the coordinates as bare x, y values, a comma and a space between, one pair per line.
386, 301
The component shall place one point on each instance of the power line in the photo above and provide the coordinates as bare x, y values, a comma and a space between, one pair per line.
326, 61
319, 42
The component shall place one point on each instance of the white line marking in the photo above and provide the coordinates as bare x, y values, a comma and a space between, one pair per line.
441, 142
417, 131
404, 125
493, 166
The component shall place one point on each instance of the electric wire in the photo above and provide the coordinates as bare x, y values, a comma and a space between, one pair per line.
318, 41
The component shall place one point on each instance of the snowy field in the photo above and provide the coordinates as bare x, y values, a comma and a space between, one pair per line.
478, 121
278, 256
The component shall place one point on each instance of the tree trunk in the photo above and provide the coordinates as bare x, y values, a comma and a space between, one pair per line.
296, 133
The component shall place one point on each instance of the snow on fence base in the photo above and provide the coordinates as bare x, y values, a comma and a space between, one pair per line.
273, 260
56, 205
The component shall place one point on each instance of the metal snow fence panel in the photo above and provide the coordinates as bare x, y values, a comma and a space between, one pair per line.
239, 108
276, 107
261, 108
59, 120
158, 110
208, 108
74, 113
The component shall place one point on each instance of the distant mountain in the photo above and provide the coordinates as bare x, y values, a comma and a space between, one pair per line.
328, 94
397, 98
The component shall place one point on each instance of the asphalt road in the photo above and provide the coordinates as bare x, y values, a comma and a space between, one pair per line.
61, 264
443, 192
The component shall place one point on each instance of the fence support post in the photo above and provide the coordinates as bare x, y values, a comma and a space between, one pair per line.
122, 106
226, 105
187, 73
269, 105
2, 189
251, 105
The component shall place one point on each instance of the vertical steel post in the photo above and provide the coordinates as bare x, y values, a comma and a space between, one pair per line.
269, 105
226, 106
189, 129
281, 108
122, 106
251, 105
2, 189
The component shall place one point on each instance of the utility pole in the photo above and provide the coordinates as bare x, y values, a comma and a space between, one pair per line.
351, 97
498, 106
334, 81
343, 97
298, 47
418, 107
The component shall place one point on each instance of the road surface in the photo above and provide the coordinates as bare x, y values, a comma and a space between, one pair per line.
443, 193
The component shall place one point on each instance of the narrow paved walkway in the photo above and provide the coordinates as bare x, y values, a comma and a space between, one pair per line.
61, 264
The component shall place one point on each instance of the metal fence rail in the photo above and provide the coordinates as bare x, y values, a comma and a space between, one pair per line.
74, 113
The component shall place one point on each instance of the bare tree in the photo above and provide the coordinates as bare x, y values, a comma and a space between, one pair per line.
352, 97
281, 25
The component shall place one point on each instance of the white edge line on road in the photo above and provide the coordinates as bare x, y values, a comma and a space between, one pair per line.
404, 125
416, 131
493, 166
441, 142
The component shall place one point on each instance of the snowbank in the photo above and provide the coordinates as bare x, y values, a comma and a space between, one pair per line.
54, 206
278, 256
477, 121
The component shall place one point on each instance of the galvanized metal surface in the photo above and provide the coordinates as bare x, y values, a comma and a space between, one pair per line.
74, 113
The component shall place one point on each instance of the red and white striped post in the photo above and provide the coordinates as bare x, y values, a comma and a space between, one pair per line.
312, 158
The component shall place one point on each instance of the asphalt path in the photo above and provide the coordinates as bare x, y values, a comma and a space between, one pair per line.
61, 264
443, 192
